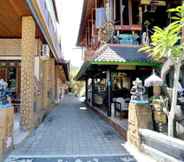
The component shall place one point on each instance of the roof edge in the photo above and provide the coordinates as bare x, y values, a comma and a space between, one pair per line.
81, 21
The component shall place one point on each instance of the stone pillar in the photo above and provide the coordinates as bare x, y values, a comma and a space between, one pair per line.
52, 79
45, 84
156, 90
27, 71
139, 116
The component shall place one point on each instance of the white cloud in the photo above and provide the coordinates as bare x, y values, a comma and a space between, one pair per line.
69, 12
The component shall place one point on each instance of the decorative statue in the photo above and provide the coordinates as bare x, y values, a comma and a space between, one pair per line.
4, 98
137, 91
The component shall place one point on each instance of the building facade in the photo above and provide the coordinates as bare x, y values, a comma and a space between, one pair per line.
31, 59
112, 32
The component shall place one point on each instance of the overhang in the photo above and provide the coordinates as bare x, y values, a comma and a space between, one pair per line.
88, 5
11, 12
112, 56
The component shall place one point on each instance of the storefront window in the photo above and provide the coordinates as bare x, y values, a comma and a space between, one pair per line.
11, 79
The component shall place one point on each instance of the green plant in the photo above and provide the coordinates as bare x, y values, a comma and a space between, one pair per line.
166, 44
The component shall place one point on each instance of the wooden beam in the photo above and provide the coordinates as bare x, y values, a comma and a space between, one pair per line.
20, 7
121, 12
130, 19
111, 10
96, 4
114, 5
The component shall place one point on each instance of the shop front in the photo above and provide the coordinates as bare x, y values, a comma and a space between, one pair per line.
109, 78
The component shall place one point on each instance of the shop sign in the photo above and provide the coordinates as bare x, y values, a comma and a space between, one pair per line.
145, 2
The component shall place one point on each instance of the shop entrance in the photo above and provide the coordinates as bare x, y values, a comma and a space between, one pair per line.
10, 72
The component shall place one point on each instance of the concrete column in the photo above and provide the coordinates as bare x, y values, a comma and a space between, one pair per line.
45, 84
27, 71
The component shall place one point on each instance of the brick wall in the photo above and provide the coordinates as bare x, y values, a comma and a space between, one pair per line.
27, 69
10, 47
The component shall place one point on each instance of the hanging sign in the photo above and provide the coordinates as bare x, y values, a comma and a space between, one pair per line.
145, 2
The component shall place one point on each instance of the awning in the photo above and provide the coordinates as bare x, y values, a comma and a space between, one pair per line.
116, 55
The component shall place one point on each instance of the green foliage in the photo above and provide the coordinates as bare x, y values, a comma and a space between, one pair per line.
166, 43
77, 87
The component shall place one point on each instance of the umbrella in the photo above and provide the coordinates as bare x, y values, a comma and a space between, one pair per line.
153, 80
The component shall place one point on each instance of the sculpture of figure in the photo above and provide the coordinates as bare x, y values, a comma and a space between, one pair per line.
137, 90
4, 98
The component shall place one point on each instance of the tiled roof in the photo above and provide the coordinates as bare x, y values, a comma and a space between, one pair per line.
121, 54
116, 55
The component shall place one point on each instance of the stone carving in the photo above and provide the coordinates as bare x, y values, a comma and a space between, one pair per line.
106, 33
137, 91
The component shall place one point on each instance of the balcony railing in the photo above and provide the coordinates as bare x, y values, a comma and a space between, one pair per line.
51, 26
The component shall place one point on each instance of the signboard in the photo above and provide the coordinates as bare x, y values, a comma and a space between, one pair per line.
153, 2
128, 27
145, 2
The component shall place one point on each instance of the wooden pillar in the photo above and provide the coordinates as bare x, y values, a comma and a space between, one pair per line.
86, 90
121, 12
114, 6
93, 87
111, 10
130, 12
140, 15
109, 91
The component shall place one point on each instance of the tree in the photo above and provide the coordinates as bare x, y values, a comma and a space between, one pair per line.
77, 87
166, 44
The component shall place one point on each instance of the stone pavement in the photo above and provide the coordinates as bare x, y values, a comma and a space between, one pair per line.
71, 133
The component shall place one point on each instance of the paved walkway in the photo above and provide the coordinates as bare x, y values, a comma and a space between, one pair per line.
73, 134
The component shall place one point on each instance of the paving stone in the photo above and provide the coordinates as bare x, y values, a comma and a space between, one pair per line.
69, 131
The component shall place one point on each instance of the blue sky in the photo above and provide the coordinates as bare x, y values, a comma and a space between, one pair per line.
70, 14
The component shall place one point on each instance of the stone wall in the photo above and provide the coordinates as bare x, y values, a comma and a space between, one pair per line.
140, 116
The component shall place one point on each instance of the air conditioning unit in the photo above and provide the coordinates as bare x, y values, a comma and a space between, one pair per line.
45, 52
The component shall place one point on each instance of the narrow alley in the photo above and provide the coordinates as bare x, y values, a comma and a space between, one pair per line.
72, 133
